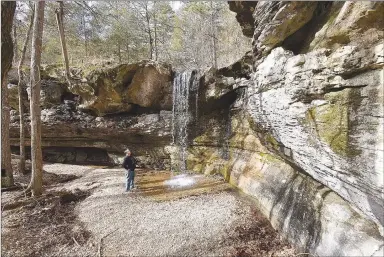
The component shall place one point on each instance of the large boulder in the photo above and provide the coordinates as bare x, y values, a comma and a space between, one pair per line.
151, 86
146, 84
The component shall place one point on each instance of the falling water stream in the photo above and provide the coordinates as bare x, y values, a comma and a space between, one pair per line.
183, 84
181, 116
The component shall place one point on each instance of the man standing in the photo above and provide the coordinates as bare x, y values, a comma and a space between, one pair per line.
129, 164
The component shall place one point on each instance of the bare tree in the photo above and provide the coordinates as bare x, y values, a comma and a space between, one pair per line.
155, 29
7, 14
127, 50
118, 39
21, 85
60, 25
147, 17
213, 35
16, 52
85, 33
142, 8
36, 183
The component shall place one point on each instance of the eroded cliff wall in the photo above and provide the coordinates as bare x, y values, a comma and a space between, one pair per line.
304, 134
103, 112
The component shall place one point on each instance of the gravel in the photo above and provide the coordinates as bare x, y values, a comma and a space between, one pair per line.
213, 222
133, 225
58, 168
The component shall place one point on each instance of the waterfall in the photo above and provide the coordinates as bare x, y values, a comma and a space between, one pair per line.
181, 116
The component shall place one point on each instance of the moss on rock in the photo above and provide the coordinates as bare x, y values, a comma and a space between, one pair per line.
353, 23
269, 157
272, 141
331, 122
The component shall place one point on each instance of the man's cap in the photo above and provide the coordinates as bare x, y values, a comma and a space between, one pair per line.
127, 151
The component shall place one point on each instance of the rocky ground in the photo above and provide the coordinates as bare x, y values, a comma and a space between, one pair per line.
90, 214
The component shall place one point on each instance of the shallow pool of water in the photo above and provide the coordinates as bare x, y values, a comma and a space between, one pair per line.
182, 180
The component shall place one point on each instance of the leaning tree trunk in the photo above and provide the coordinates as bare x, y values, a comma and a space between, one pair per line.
127, 49
213, 36
85, 34
155, 28
7, 14
149, 33
21, 85
119, 51
15, 54
36, 183
60, 25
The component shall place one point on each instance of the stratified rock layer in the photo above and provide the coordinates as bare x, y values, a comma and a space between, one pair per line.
275, 21
64, 126
303, 131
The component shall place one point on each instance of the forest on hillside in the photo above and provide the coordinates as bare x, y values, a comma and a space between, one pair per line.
186, 34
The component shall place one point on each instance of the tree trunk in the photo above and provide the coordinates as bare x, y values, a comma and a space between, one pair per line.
127, 47
7, 14
155, 27
149, 33
213, 37
20, 86
118, 35
37, 160
119, 51
150, 45
60, 25
85, 36
16, 52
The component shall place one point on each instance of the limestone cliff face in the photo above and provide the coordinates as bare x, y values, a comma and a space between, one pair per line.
65, 128
102, 113
303, 132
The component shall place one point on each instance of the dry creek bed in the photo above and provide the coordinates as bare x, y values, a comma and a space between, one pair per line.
85, 211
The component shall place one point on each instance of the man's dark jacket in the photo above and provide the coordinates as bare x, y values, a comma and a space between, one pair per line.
129, 163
